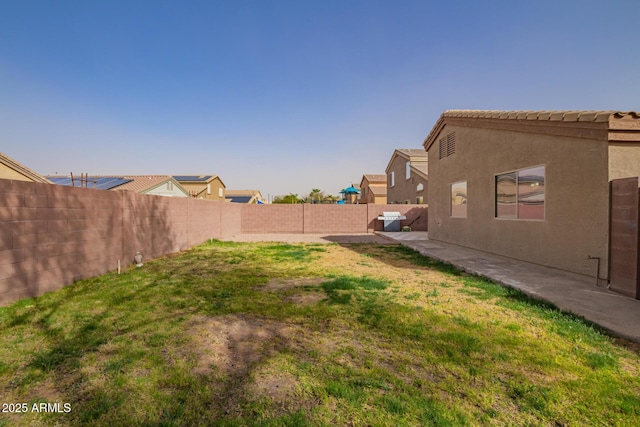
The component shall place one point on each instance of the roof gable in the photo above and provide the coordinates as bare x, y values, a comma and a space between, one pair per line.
409, 154
22, 169
373, 179
198, 179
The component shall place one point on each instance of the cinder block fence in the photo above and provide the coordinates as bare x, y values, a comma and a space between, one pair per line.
51, 235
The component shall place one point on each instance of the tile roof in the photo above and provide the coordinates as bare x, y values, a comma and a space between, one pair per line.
22, 169
420, 172
378, 190
375, 177
195, 178
412, 152
591, 116
140, 183
551, 115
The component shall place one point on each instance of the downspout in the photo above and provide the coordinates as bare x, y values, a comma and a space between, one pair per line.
597, 258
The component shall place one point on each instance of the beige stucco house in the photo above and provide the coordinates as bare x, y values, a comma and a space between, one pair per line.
11, 169
373, 189
407, 179
157, 185
531, 185
208, 187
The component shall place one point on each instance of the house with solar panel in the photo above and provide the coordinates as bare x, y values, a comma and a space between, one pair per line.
244, 196
209, 187
157, 185
11, 169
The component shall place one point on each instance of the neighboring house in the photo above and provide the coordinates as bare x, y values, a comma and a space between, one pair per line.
157, 185
532, 185
208, 187
244, 196
11, 169
373, 189
407, 180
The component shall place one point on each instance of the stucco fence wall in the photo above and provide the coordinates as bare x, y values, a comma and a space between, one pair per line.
52, 235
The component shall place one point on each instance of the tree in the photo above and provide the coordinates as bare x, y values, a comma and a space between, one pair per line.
316, 196
288, 199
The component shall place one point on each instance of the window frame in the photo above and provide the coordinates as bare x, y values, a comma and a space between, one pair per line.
517, 201
392, 179
466, 204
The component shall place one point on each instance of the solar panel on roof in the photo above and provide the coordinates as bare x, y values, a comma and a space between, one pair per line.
101, 183
239, 199
61, 181
192, 177
109, 183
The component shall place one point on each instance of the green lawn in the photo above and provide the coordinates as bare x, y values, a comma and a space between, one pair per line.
264, 334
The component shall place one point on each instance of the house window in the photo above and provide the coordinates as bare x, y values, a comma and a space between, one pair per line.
169, 186
419, 200
220, 193
520, 194
419, 187
459, 199
392, 180
447, 145
208, 188
407, 170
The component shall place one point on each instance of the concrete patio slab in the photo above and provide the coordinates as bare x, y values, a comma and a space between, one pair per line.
573, 293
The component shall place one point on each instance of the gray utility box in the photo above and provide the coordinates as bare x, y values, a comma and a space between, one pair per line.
391, 220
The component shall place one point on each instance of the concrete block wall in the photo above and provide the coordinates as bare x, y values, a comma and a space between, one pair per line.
230, 219
51, 235
335, 218
273, 219
325, 219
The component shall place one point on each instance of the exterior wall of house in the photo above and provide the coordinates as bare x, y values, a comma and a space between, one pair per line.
405, 190
368, 196
168, 189
379, 200
217, 188
624, 160
576, 185
8, 173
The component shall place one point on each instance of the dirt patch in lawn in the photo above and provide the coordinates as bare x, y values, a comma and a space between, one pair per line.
232, 344
238, 351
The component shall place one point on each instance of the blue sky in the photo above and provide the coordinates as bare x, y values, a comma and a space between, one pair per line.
286, 96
